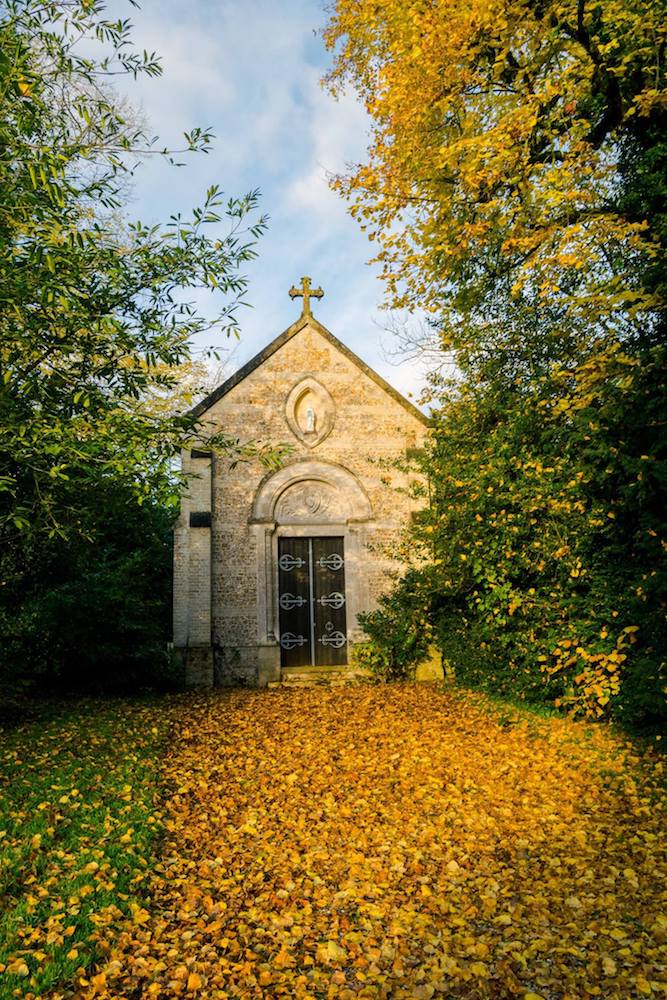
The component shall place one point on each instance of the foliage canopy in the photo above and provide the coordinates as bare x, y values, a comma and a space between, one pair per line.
97, 333
497, 136
515, 184
94, 309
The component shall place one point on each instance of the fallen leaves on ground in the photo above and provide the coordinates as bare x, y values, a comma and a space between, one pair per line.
77, 822
395, 842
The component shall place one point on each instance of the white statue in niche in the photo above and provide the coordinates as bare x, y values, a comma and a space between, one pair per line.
310, 421
310, 412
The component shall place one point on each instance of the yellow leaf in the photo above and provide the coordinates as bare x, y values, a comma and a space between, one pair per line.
608, 965
17, 968
335, 952
139, 915
282, 959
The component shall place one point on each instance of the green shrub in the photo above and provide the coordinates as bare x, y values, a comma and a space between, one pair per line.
90, 613
538, 562
398, 633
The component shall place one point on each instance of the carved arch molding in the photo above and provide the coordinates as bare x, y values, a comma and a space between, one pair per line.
310, 492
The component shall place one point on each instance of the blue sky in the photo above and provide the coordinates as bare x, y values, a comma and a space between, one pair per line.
251, 70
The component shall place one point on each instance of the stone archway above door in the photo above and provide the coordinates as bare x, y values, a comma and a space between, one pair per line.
309, 499
310, 492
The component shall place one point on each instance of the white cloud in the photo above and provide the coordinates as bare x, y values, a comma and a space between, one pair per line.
251, 71
337, 137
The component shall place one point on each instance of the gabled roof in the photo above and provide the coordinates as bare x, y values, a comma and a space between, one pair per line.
276, 344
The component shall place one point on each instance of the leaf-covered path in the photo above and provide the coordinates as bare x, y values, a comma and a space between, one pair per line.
397, 842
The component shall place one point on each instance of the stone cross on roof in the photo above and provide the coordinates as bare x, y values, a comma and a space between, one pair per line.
305, 292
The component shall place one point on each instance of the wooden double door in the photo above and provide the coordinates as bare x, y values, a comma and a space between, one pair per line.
311, 601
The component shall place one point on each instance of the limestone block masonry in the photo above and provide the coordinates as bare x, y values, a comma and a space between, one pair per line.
239, 616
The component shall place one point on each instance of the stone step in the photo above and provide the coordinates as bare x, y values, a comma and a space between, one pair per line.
322, 671
300, 677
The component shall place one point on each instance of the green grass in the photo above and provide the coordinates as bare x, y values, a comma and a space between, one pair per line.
78, 821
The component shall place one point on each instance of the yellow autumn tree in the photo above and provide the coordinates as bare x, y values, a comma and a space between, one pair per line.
494, 148
515, 188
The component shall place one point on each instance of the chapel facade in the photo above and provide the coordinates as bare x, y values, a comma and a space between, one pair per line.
272, 568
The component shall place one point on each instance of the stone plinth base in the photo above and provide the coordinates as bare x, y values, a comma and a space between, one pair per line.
247, 666
268, 665
196, 663
430, 668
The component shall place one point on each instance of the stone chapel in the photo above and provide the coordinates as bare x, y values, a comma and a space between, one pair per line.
271, 569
